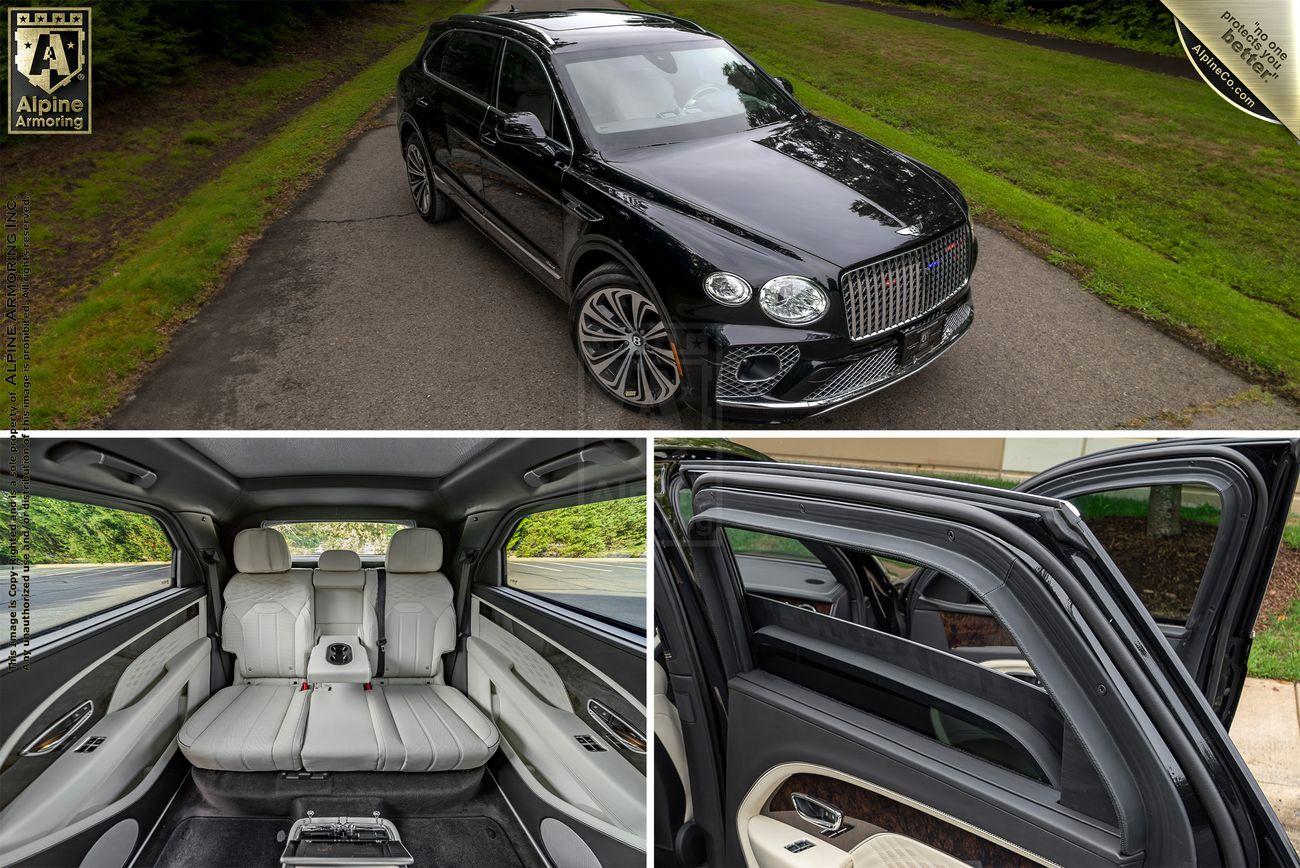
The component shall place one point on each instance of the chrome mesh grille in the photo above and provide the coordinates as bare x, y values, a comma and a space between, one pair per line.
903, 288
731, 386
858, 375
882, 365
955, 320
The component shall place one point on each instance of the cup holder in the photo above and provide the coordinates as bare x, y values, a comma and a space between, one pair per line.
339, 654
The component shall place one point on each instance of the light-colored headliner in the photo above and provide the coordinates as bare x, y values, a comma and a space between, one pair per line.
256, 457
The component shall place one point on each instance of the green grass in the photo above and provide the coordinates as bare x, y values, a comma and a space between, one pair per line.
1166, 201
1275, 652
85, 358
1028, 22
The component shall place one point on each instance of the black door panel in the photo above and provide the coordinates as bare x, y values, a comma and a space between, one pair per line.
521, 182
787, 725
458, 105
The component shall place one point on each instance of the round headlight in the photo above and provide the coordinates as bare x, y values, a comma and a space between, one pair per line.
727, 288
793, 300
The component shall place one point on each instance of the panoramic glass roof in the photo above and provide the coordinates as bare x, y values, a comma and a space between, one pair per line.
253, 457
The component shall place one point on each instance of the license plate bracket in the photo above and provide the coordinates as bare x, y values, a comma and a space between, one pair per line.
921, 340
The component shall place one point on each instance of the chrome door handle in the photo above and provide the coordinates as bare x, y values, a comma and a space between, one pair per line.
627, 735
61, 731
828, 818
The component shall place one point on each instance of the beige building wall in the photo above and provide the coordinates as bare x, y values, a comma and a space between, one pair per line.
1014, 458
1004, 457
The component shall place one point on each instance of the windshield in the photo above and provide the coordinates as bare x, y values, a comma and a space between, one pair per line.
653, 95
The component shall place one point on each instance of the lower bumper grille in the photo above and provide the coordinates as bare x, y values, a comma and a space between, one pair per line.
883, 365
858, 376
730, 384
864, 375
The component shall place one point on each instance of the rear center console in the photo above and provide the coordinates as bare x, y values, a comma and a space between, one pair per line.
338, 660
340, 731
348, 842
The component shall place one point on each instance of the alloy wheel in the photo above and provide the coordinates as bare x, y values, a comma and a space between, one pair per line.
417, 175
624, 343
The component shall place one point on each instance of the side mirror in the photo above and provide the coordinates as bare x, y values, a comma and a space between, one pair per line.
521, 128
786, 83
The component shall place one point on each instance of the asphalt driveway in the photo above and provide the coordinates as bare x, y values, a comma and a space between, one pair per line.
352, 312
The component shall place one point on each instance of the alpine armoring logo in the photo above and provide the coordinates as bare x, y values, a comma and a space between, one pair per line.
49, 70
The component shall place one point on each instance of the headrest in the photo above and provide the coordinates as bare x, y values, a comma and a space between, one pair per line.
339, 561
261, 550
414, 550
339, 568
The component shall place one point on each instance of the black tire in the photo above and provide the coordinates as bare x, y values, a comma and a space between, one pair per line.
430, 203
623, 340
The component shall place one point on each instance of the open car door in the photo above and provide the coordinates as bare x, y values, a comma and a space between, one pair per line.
852, 741
1195, 528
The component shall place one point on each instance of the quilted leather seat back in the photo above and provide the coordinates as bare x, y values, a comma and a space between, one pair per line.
419, 615
269, 620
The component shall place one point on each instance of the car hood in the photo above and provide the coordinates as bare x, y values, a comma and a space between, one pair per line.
809, 184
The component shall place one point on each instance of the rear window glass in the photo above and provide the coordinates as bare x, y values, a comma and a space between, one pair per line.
1160, 537
83, 559
314, 537
469, 62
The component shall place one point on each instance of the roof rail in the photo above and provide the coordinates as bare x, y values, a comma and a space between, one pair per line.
685, 22
512, 23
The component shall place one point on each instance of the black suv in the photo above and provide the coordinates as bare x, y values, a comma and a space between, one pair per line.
716, 241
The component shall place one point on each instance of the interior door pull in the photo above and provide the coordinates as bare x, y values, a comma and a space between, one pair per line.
61, 731
828, 818
627, 735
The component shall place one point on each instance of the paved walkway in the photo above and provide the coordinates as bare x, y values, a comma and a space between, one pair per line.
1266, 731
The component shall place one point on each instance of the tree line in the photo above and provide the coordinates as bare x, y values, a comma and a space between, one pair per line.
610, 528
140, 45
64, 532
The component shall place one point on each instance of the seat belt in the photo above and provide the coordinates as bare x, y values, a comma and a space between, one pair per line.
465, 564
381, 641
466, 559
212, 565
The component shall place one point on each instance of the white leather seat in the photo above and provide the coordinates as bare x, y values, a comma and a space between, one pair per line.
410, 720
429, 726
345, 598
258, 723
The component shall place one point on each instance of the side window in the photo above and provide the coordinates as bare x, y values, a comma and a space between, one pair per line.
784, 569
85, 559
470, 61
433, 57
590, 557
923, 654
1160, 537
526, 87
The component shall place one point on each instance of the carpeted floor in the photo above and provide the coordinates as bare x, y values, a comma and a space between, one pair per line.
446, 820
247, 842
